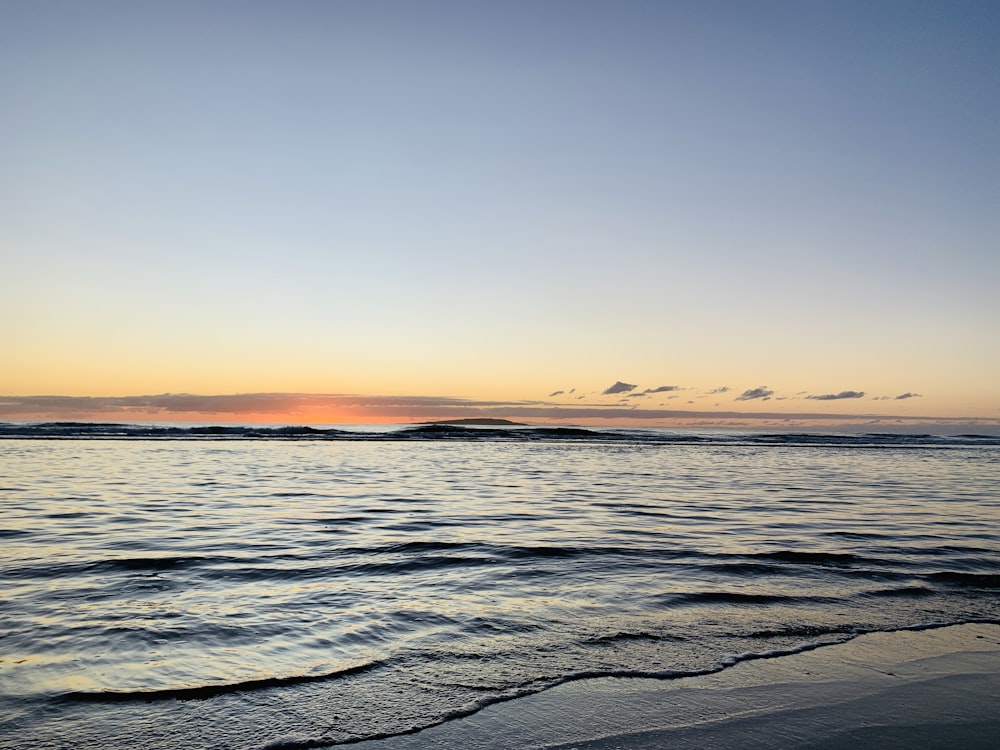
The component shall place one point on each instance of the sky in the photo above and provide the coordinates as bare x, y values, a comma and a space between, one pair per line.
615, 212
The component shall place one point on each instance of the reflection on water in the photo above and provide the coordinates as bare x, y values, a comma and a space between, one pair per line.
427, 577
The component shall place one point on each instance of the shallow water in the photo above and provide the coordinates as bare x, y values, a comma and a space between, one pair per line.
270, 592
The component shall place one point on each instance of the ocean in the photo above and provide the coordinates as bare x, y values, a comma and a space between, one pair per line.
252, 587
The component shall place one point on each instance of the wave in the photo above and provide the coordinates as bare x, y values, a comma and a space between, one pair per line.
128, 430
468, 433
821, 638
902, 592
812, 558
739, 597
14, 533
152, 564
967, 580
622, 637
203, 692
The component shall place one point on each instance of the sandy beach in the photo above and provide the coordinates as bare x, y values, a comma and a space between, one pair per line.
936, 688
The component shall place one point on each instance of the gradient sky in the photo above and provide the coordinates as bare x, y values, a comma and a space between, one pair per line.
499, 201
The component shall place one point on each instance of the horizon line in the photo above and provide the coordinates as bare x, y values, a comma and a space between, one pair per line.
341, 408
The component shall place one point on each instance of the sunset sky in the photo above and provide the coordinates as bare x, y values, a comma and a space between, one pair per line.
587, 211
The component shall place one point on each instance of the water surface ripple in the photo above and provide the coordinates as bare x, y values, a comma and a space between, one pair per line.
270, 592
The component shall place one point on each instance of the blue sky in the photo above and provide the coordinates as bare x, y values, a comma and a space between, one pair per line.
503, 200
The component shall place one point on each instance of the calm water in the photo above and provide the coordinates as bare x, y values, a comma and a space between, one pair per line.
270, 592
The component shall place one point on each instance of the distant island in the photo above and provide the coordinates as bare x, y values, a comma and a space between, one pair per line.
480, 421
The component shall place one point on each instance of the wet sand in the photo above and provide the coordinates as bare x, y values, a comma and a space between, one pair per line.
937, 688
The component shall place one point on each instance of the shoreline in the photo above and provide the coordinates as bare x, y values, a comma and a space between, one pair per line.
933, 688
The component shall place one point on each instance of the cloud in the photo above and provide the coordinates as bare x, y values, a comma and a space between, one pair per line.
662, 389
750, 395
720, 389
838, 396
556, 393
902, 396
618, 387
234, 407
297, 408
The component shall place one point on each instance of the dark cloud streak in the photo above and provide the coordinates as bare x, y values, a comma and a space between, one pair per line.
754, 393
618, 387
663, 389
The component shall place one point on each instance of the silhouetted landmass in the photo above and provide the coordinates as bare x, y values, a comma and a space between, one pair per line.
481, 421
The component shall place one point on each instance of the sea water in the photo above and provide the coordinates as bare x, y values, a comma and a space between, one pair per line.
264, 588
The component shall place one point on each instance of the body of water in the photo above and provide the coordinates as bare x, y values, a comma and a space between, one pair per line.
262, 588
